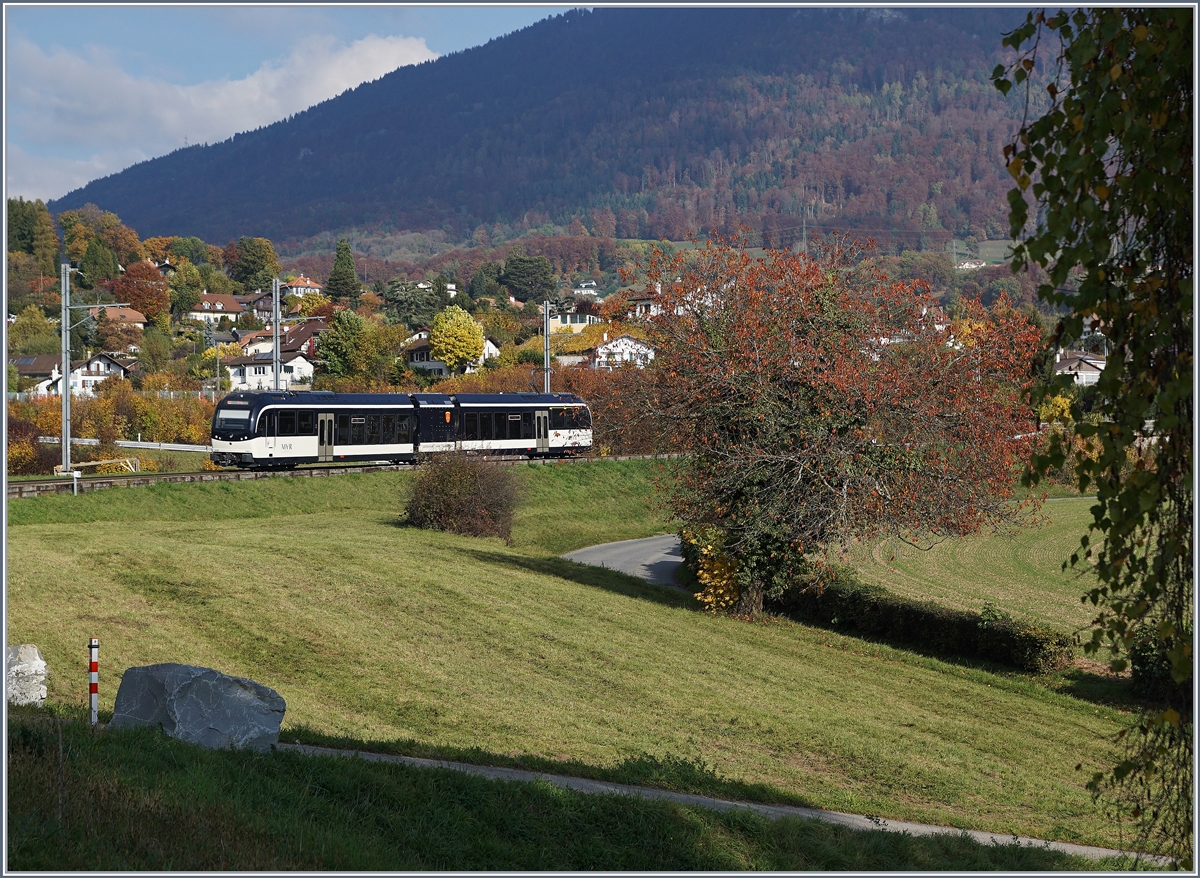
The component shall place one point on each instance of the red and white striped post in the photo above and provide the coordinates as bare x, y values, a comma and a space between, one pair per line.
94, 677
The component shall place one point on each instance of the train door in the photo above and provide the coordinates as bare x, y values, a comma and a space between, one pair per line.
324, 438
541, 423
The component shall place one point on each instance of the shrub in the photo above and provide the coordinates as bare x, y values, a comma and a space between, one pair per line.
840, 601
26, 455
463, 495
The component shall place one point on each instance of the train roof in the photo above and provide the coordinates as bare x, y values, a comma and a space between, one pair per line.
316, 397
502, 398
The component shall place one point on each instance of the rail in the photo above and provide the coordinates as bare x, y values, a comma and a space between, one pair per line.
30, 488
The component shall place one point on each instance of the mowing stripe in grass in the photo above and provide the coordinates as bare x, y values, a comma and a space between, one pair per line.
597, 787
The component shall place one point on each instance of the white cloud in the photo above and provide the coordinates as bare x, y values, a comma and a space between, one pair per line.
104, 119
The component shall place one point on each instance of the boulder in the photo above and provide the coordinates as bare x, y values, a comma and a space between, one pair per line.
200, 706
25, 675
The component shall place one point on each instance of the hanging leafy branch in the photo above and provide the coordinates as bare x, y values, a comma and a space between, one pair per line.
1108, 168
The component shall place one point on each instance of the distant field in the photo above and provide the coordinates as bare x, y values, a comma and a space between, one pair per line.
1021, 573
440, 645
993, 252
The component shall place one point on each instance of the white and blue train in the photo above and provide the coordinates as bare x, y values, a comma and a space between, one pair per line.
280, 429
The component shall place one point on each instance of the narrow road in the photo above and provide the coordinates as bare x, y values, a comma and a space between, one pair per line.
655, 559
773, 812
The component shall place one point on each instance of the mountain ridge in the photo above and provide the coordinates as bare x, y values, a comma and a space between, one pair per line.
646, 111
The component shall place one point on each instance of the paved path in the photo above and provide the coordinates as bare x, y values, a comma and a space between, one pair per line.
774, 812
654, 559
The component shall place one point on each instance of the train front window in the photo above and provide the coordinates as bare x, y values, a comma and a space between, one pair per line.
233, 421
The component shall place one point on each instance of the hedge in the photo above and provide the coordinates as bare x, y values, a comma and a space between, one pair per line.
846, 605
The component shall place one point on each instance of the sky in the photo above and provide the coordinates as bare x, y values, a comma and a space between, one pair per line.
91, 89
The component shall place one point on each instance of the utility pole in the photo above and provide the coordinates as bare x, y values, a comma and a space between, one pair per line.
64, 385
546, 347
275, 330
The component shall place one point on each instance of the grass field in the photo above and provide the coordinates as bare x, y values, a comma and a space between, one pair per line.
433, 644
1020, 572
170, 806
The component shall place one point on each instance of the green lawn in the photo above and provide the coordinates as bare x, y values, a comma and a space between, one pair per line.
1021, 572
431, 643
138, 800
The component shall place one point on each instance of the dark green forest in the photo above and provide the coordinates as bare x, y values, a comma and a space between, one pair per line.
635, 123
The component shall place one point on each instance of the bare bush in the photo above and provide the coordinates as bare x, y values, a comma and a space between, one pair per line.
463, 495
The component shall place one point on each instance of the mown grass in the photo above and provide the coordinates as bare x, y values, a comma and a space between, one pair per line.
448, 645
138, 800
1021, 572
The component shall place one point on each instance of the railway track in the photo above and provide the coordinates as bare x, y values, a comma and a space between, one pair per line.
30, 488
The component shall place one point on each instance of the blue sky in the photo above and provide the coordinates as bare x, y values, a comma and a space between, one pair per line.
90, 90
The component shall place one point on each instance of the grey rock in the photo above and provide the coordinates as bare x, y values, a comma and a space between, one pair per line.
200, 706
25, 675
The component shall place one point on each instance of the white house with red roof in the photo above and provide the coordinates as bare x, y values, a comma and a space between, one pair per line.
213, 306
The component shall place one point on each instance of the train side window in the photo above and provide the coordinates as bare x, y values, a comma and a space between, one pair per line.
471, 426
500, 419
581, 418
358, 429
389, 430
304, 423
514, 425
403, 429
485, 425
526, 425
343, 430
558, 419
372, 429
287, 423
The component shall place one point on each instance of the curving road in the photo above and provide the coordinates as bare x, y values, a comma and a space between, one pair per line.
655, 559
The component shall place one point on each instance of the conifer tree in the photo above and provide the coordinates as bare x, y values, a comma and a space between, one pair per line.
343, 285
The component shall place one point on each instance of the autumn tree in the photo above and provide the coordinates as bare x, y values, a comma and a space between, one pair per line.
358, 348
98, 266
455, 338
184, 288
818, 401
1106, 173
31, 231
145, 289
254, 264
31, 324
343, 285
115, 335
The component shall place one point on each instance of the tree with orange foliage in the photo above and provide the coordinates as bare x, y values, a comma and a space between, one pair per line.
145, 289
819, 401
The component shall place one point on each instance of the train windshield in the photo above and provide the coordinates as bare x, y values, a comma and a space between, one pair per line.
231, 422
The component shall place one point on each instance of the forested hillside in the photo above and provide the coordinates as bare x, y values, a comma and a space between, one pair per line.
635, 123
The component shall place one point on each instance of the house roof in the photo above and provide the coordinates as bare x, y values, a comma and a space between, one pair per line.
119, 314
209, 303
263, 359
302, 282
42, 364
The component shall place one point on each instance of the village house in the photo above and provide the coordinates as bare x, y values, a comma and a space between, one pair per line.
296, 337
418, 355
254, 372
1083, 367
118, 314
213, 306
301, 286
620, 350
45, 371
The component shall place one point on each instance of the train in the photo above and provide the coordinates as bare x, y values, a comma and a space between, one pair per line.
275, 429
